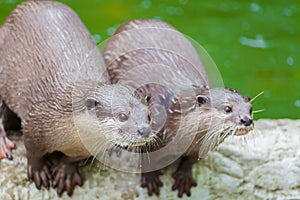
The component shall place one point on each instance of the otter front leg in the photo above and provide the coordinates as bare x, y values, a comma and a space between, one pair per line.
66, 176
183, 176
150, 179
38, 169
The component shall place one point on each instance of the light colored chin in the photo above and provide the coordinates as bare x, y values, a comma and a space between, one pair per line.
243, 131
136, 143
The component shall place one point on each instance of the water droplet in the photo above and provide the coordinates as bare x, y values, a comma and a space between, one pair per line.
297, 103
158, 17
110, 31
254, 7
290, 60
224, 7
146, 4
172, 10
183, 1
97, 38
287, 12
10, 1
258, 42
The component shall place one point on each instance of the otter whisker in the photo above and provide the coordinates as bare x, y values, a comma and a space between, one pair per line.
148, 157
244, 140
258, 111
226, 133
102, 148
85, 161
209, 143
256, 96
94, 156
214, 137
211, 131
156, 141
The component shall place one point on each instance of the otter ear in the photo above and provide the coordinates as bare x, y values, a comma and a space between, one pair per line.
91, 103
201, 99
247, 99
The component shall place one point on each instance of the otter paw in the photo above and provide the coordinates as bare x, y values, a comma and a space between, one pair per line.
39, 173
66, 177
6, 147
184, 181
151, 181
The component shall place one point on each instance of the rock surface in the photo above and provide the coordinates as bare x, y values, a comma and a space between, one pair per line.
262, 165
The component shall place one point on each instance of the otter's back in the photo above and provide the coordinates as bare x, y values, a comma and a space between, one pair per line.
147, 51
44, 50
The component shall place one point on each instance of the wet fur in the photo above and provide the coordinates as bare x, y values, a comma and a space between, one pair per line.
154, 57
48, 63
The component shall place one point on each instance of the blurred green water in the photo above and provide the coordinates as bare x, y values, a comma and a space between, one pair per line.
255, 44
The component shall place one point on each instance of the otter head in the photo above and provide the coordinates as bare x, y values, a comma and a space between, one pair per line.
229, 111
220, 112
120, 115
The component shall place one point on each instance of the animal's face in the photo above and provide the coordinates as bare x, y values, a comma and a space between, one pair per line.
220, 112
230, 110
125, 115
133, 120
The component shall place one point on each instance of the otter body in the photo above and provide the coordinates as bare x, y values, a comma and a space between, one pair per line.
53, 76
158, 60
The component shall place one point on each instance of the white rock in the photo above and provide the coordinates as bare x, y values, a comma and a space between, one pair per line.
262, 165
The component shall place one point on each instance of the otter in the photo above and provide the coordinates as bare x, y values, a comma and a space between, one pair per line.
194, 117
52, 75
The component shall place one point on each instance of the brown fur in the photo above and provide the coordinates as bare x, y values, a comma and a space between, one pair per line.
154, 57
38, 35
54, 78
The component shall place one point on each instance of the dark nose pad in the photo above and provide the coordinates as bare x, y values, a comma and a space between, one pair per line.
145, 131
246, 121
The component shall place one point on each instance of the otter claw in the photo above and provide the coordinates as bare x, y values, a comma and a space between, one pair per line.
184, 181
66, 177
39, 174
151, 181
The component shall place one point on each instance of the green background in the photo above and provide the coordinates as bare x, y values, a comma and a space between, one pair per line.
255, 44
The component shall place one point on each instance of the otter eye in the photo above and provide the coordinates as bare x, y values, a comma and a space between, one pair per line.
122, 117
227, 109
251, 111
147, 99
91, 103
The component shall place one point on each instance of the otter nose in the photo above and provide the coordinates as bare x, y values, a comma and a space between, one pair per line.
246, 121
145, 131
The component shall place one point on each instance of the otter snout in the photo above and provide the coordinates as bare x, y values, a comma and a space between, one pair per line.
144, 131
246, 121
